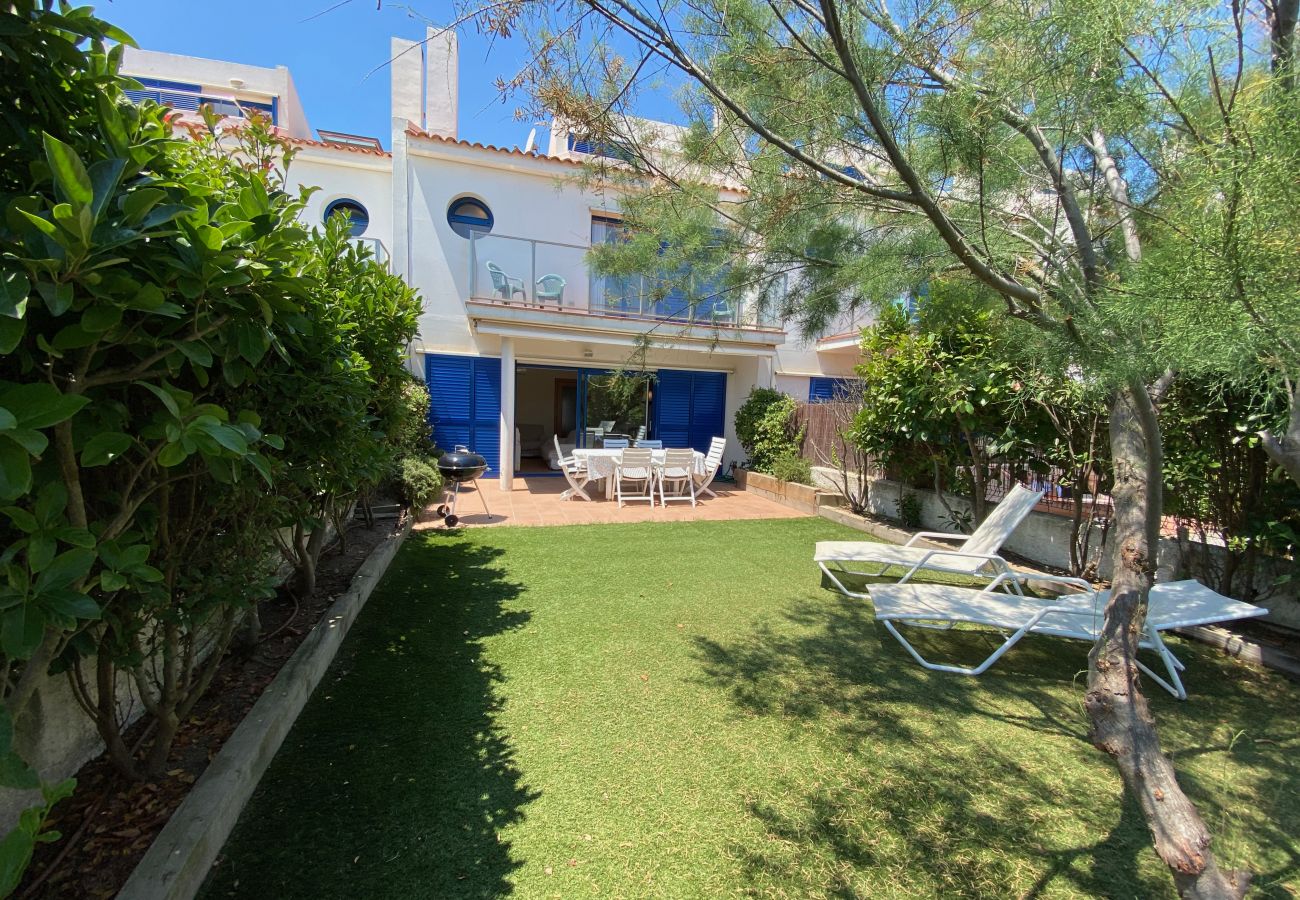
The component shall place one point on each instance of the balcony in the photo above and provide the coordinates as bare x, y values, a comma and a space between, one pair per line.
551, 276
377, 249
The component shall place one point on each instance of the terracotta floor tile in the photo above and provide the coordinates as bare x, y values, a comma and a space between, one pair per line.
536, 502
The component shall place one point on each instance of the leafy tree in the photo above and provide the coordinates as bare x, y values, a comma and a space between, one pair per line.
1022, 146
185, 369
949, 393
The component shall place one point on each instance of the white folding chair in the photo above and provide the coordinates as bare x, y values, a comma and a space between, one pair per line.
712, 463
635, 467
653, 445
574, 472
678, 470
640, 434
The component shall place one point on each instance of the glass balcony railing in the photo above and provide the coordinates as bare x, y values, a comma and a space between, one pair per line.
377, 249
548, 274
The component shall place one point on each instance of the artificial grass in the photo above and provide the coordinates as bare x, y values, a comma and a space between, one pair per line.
683, 710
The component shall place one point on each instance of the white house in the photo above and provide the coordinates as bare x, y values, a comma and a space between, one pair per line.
517, 332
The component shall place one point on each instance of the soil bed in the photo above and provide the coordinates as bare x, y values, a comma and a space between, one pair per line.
109, 822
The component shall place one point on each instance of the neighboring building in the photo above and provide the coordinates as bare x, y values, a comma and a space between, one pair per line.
516, 331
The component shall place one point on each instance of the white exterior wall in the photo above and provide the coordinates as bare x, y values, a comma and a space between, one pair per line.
343, 174
528, 199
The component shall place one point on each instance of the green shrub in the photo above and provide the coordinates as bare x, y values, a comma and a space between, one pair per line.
790, 466
765, 426
909, 510
421, 482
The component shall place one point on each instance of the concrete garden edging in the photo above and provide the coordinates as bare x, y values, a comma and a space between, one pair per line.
178, 861
802, 497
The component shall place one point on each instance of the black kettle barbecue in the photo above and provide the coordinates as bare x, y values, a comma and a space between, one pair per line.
460, 466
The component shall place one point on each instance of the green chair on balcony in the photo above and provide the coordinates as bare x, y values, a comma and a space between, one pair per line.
550, 290
505, 286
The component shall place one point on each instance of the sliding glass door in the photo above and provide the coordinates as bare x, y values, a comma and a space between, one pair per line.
612, 405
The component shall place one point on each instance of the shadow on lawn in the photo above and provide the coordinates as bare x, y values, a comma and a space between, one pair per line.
934, 794
397, 779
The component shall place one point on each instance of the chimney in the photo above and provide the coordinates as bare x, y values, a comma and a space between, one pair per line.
441, 79
407, 64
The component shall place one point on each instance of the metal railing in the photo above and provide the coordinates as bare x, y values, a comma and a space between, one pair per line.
555, 275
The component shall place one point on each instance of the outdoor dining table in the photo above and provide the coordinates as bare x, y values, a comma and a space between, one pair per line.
600, 464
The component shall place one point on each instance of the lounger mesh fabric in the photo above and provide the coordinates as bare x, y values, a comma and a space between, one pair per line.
1177, 604
986, 540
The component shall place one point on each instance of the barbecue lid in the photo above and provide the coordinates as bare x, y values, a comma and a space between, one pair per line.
461, 458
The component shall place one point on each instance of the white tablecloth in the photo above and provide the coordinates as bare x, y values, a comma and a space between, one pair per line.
601, 462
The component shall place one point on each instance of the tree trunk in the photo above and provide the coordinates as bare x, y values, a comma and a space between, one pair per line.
1285, 450
1281, 25
1122, 724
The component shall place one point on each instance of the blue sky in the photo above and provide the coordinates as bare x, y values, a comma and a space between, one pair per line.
330, 54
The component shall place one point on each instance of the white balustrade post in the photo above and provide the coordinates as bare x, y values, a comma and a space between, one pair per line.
507, 445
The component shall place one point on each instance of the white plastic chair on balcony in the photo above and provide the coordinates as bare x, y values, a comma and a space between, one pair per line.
640, 434
503, 285
712, 463
574, 472
677, 474
550, 290
635, 468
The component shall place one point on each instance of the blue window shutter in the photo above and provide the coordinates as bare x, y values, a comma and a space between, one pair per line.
823, 390
708, 405
690, 408
487, 410
673, 408
465, 403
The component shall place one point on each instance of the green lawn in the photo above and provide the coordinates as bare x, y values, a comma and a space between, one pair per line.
683, 710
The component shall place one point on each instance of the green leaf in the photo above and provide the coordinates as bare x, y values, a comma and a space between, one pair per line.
111, 124
7, 420
14, 290
22, 519
15, 854
66, 568
103, 448
15, 471
70, 177
31, 440
137, 203
58, 297
172, 455
111, 581
21, 630
15, 773
40, 551
77, 537
40, 405
230, 438
73, 604
100, 318
11, 333
166, 398
104, 177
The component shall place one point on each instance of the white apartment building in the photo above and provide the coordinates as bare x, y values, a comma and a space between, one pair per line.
517, 332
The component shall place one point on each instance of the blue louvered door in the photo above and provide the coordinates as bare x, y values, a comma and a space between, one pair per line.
465, 403
689, 408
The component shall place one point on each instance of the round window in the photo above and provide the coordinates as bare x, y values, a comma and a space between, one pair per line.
468, 217
358, 218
